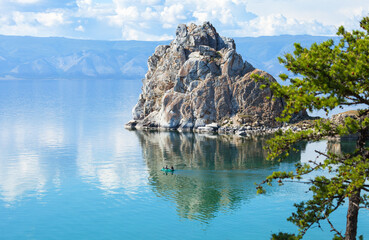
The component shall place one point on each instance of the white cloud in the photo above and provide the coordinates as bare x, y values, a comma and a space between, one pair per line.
160, 18
157, 19
80, 28
134, 34
130, 13
89, 9
50, 19
19, 18
172, 14
201, 16
327, 12
31, 23
149, 14
225, 12
278, 24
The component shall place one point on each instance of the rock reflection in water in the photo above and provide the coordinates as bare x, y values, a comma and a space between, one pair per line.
214, 173
341, 146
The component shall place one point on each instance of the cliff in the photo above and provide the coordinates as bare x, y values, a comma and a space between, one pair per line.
199, 82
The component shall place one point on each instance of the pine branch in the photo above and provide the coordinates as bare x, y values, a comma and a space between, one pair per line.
333, 228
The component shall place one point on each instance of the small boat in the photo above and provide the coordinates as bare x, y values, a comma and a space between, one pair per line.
167, 170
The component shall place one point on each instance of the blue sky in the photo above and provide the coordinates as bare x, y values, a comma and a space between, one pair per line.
157, 19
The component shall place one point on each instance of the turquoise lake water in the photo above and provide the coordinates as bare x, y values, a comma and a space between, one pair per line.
69, 170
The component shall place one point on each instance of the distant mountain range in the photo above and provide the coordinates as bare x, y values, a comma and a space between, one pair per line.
50, 58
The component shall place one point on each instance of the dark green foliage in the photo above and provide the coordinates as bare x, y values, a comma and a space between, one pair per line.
283, 236
323, 77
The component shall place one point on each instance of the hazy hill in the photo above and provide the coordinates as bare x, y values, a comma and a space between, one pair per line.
263, 52
33, 57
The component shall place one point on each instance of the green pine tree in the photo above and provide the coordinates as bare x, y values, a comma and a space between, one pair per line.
323, 77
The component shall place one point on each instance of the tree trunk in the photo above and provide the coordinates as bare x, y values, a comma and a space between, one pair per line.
354, 200
352, 215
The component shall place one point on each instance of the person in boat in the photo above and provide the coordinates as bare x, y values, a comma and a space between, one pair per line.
172, 168
166, 167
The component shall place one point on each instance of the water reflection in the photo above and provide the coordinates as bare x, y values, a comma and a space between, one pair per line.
341, 146
24, 169
111, 163
56, 132
215, 173
26, 175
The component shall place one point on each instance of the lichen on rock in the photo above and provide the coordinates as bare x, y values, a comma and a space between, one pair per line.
200, 79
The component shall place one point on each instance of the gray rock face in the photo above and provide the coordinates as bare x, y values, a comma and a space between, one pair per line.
200, 79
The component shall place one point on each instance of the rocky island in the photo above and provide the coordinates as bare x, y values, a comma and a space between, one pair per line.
200, 83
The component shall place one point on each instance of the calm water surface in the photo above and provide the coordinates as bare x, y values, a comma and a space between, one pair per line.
69, 170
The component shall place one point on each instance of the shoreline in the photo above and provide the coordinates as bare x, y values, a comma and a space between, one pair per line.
214, 128
240, 131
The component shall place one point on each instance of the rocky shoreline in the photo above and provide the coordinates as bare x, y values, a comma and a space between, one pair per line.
214, 128
251, 132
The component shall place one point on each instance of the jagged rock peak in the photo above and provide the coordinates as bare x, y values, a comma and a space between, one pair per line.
194, 36
200, 80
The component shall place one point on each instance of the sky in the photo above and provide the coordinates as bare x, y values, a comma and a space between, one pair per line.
152, 20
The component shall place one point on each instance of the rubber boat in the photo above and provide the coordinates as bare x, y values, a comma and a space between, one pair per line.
167, 170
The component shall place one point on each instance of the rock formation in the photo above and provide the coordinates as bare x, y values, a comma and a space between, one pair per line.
200, 82
339, 119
